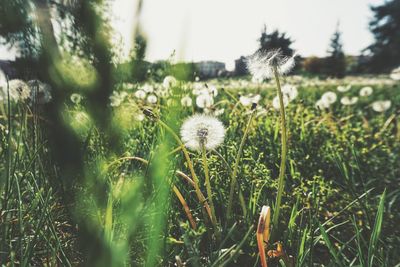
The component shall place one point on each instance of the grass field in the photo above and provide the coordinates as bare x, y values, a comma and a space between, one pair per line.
135, 191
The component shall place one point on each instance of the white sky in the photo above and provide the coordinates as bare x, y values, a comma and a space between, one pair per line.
223, 30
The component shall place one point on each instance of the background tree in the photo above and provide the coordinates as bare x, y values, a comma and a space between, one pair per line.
385, 27
336, 61
275, 40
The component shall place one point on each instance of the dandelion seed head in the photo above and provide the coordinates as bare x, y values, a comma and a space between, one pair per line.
262, 63
290, 91
204, 101
18, 90
322, 104
329, 97
141, 94
276, 103
343, 89
152, 99
348, 101
199, 130
40, 92
366, 91
186, 101
169, 81
381, 105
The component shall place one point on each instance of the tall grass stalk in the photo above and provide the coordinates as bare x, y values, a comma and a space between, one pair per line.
236, 166
281, 178
208, 185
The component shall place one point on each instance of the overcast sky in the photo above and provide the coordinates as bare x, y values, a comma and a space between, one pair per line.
223, 30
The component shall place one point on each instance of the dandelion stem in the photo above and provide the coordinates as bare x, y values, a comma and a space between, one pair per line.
200, 195
236, 166
281, 178
208, 185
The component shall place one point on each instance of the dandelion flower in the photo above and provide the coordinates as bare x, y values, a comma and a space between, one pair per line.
348, 101
40, 92
276, 102
366, 91
186, 101
290, 91
152, 99
202, 130
322, 104
343, 89
169, 81
141, 94
329, 97
18, 90
76, 98
381, 105
204, 101
262, 63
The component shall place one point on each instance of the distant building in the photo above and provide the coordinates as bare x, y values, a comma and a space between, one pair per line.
241, 66
208, 69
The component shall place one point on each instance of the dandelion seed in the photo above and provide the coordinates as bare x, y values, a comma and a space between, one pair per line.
186, 101
40, 92
276, 103
152, 99
199, 130
204, 101
169, 81
76, 98
366, 91
329, 97
262, 63
141, 94
381, 105
348, 101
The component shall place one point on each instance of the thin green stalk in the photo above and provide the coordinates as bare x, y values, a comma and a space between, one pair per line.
200, 196
208, 186
236, 166
281, 178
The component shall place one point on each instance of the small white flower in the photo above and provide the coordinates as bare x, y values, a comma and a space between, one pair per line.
262, 63
276, 102
186, 101
141, 94
329, 97
366, 91
348, 101
202, 130
381, 105
169, 81
204, 101
76, 98
343, 89
152, 99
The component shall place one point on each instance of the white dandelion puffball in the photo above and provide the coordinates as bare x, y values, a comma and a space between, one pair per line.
169, 81
117, 98
219, 112
262, 63
204, 101
366, 91
322, 104
276, 103
76, 98
199, 130
152, 99
245, 100
381, 105
18, 90
148, 88
213, 90
329, 97
186, 101
343, 89
40, 92
290, 91
395, 74
141, 94
348, 101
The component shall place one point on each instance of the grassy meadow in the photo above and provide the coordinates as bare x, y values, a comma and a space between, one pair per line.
83, 187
